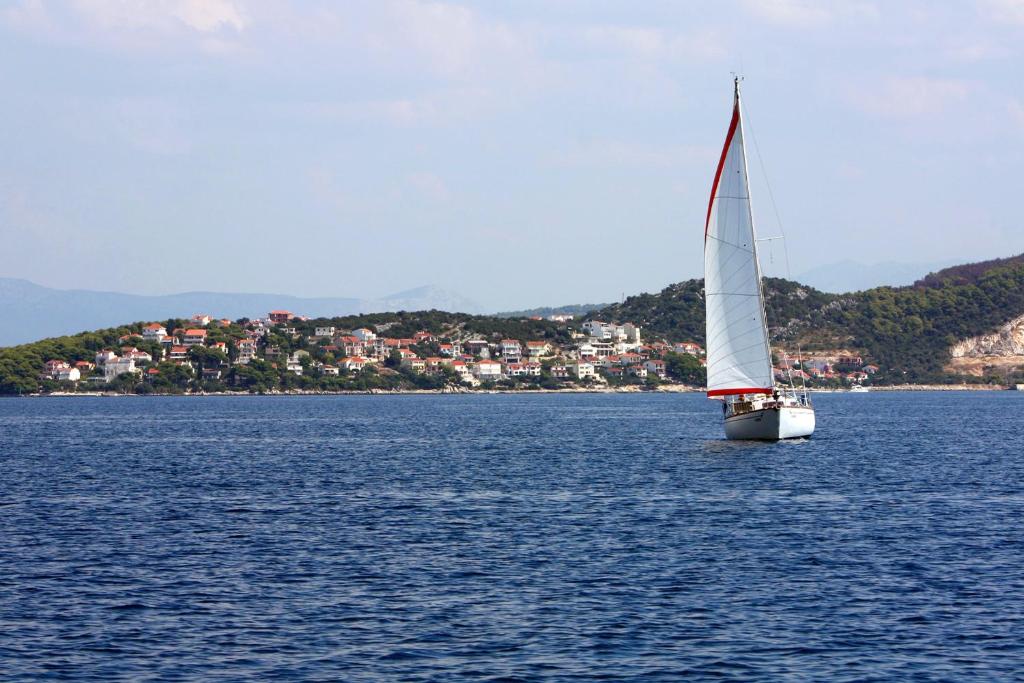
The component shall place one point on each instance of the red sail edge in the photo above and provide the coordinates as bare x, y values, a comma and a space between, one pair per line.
746, 390
721, 164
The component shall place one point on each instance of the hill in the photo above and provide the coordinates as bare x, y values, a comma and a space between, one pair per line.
908, 331
911, 333
31, 311
967, 273
576, 310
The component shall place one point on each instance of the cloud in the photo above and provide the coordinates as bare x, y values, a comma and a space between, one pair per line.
809, 13
450, 40
627, 153
430, 186
204, 16
655, 43
145, 26
1016, 109
898, 97
153, 124
1004, 10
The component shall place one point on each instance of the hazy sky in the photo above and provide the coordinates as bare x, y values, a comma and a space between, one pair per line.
523, 153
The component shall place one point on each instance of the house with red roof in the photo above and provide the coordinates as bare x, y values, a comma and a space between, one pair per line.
278, 317
193, 337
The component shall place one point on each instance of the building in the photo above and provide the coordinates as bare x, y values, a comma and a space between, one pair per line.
511, 349
560, 371
414, 363
522, 369
365, 335
656, 366
487, 370
136, 355
154, 332
115, 367
536, 349
323, 332
67, 374
193, 337
178, 353
637, 371
103, 356
201, 319
476, 347
353, 364
246, 351
581, 369
689, 347
278, 317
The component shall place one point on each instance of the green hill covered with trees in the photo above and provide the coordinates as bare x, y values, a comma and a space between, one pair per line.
906, 331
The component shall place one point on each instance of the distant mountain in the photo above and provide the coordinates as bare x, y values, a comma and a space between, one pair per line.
851, 276
30, 311
577, 310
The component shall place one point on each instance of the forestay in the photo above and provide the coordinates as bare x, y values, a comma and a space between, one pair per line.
738, 356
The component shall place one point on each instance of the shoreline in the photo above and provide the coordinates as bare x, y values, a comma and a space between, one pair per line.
669, 389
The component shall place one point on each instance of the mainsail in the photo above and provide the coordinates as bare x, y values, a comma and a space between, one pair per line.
739, 359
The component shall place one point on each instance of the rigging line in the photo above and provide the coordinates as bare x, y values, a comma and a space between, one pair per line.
768, 186
778, 220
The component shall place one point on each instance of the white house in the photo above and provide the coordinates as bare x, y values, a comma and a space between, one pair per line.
103, 356
67, 374
598, 329
522, 369
365, 335
511, 349
487, 369
582, 369
137, 355
246, 351
154, 332
656, 366
323, 332
115, 366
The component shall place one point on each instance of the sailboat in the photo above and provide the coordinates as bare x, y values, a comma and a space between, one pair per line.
739, 355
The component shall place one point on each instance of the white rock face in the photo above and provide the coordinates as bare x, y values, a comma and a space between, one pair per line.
1008, 340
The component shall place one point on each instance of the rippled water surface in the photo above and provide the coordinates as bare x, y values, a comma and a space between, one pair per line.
509, 537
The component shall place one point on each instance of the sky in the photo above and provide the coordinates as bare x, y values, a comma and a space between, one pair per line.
528, 153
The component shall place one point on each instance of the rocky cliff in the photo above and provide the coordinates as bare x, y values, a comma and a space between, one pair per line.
1008, 340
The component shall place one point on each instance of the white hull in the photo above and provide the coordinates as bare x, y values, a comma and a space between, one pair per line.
785, 422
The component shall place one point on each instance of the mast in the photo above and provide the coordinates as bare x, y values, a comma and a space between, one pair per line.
753, 224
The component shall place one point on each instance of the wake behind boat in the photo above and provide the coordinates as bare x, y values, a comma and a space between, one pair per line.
739, 357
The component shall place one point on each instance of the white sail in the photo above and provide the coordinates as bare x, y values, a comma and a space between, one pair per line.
738, 355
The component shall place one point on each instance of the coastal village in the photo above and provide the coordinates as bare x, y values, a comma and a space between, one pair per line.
209, 354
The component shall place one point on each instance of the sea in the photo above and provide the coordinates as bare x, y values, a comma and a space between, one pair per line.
509, 537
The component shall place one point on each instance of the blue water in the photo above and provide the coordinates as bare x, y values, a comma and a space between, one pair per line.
509, 537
